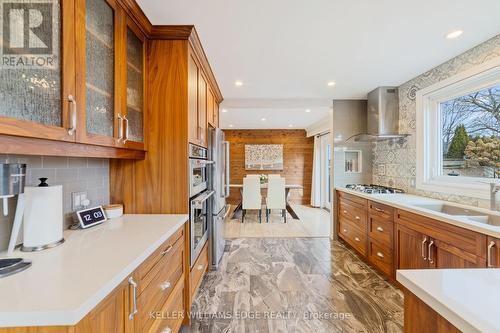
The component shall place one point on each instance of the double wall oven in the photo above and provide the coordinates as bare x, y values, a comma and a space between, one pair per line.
200, 213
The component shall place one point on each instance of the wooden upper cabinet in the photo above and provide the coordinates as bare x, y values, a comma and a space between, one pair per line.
37, 84
194, 132
493, 254
135, 87
100, 52
412, 249
202, 109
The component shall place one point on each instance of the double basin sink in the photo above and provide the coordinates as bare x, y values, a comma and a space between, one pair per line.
464, 213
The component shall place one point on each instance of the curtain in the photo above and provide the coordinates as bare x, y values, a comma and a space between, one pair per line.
316, 174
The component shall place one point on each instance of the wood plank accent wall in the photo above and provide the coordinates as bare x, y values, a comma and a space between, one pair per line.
297, 158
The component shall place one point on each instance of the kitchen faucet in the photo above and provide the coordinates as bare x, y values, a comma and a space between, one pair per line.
494, 188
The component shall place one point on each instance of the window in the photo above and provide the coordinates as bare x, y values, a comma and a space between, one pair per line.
458, 132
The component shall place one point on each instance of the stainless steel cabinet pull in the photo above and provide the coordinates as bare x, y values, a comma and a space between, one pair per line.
380, 229
134, 298
423, 248
199, 267
120, 128
356, 217
72, 128
380, 254
165, 285
126, 129
167, 250
379, 210
490, 247
356, 239
429, 251
166, 330
345, 211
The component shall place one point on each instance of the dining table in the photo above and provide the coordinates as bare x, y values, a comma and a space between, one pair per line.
288, 187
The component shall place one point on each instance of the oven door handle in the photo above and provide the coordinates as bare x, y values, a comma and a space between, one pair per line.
205, 162
198, 201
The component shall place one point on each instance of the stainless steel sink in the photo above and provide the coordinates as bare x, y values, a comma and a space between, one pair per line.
449, 209
486, 219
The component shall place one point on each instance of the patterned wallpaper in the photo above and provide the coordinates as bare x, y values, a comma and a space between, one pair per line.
394, 164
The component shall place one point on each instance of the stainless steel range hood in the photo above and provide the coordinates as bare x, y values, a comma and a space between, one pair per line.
382, 116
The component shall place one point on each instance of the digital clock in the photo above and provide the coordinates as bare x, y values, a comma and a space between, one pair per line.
91, 216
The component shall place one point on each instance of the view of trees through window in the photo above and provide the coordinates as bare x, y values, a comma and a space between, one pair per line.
470, 127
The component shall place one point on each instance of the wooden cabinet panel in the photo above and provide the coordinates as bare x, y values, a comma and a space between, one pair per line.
202, 109
193, 132
411, 249
380, 230
353, 213
381, 257
354, 200
34, 101
109, 315
353, 235
493, 256
443, 255
211, 108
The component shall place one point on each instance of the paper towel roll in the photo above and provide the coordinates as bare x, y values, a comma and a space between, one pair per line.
43, 217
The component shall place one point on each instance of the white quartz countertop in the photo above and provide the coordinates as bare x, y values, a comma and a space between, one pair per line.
66, 282
467, 298
408, 201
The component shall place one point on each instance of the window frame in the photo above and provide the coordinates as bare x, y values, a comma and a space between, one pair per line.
428, 131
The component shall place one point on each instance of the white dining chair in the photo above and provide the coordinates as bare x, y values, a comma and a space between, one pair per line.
252, 199
276, 198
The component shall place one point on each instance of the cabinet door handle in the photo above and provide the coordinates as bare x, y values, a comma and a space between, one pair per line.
356, 239
344, 211
345, 231
380, 254
165, 285
134, 298
199, 267
356, 217
380, 229
490, 247
429, 251
125, 120
423, 248
72, 128
120, 128
166, 330
379, 210
167, 250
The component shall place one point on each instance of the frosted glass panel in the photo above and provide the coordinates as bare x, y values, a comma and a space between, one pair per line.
100, 67
135, 80
30, 71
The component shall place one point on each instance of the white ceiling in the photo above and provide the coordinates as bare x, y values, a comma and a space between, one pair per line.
290, 49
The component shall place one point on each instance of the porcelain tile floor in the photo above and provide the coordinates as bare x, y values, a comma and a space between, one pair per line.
314, 222
295, 285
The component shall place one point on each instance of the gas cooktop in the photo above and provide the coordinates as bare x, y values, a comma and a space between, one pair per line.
373, 189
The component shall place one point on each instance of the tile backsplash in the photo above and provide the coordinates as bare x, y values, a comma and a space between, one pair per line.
394, 164
75, 174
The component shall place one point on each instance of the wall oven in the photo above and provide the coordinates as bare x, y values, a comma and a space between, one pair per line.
198, 170
200, 216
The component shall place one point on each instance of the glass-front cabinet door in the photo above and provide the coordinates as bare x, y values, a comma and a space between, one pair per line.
98, 48
37, 52
134, 118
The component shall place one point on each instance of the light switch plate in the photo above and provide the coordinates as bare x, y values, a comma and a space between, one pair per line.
76, 200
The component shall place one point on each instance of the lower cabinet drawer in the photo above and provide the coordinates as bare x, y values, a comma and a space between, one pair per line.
160, 288
198, 270
169, 317
380, 229
381, 257
353, 236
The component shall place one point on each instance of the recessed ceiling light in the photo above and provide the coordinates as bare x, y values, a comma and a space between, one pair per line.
262, 119
331, 83
454, 34
224, 110
230, 125
308, 110
238, 83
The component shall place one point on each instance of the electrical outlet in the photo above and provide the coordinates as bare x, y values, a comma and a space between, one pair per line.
77, 199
